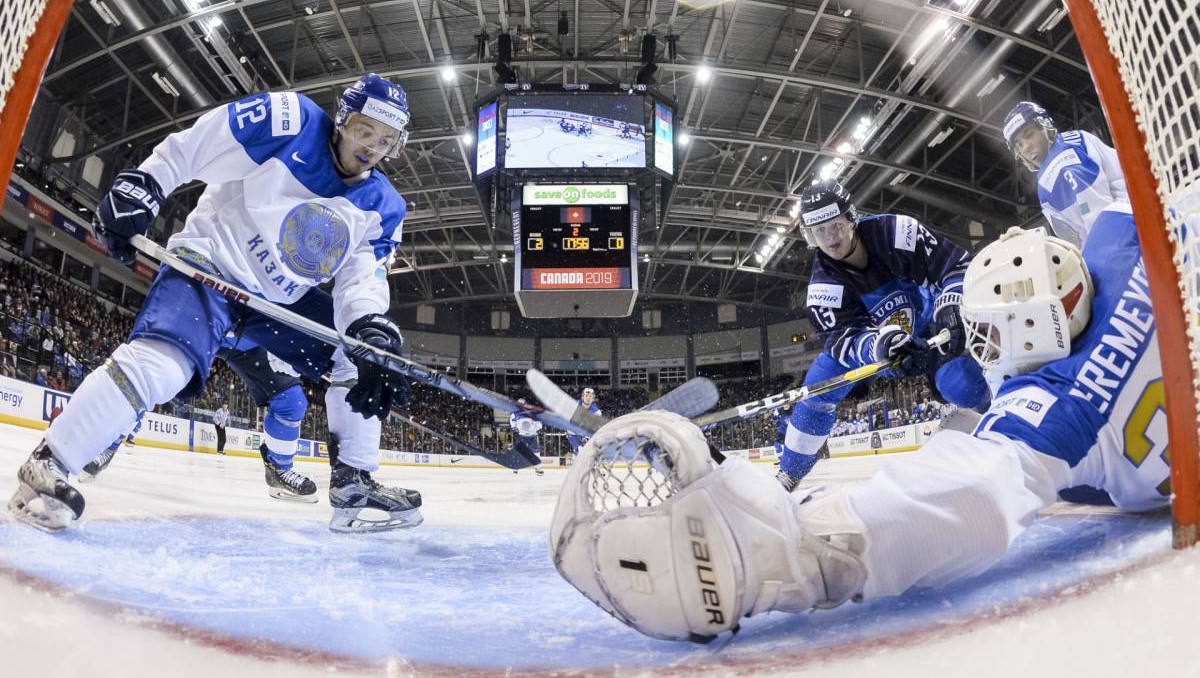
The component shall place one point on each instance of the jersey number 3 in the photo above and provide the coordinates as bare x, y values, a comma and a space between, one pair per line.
253, 111
1139, 436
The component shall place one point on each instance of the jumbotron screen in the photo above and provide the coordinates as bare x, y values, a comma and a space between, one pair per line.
575, 237
580, 131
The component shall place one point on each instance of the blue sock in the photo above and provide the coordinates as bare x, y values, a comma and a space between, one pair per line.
282, 461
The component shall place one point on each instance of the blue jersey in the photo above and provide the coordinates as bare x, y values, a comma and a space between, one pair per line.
1101, 408
275, 216
908, 267
1079, 178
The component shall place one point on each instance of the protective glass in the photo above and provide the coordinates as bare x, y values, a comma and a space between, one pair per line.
375, 136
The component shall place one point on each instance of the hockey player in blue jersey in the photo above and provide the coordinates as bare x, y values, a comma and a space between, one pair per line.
293, 201
588, 400
880, 286
525, 437
1082, 406
1078, 175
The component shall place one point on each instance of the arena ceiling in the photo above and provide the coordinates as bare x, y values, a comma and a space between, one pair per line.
903, 99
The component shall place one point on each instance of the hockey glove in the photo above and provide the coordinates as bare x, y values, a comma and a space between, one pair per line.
913, 353
946, 317
128, 210
377, 390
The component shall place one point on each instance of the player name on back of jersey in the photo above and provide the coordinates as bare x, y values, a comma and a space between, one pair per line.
1129, 330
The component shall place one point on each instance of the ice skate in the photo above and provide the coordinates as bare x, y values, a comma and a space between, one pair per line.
287, 484
43, 498
788, 480
95, 466
539, 471
351, 491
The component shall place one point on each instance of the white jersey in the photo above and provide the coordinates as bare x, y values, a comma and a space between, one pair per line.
275, 217
1101, 408
524, 425
221, 417
1080, 177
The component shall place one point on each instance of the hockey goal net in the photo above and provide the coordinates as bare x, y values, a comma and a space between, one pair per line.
1144, 56
29, 30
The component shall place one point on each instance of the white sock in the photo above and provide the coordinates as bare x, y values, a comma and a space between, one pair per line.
358, 438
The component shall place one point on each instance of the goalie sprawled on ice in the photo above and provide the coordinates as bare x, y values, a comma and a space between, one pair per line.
686, 551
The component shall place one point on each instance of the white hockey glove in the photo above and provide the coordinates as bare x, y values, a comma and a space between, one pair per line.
683, 550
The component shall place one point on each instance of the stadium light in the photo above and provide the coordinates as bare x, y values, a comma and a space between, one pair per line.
467, 138
448, 74
703, 74
684, 138
845, 148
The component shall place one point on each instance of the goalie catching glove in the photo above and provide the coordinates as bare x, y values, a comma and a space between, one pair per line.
377, 389
683, 550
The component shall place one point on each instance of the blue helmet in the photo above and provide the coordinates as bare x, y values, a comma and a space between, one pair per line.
379, 99
1023, 114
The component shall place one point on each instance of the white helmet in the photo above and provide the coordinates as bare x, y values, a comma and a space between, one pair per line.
1025, 297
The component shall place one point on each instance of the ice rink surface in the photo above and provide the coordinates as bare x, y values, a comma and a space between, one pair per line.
182, 566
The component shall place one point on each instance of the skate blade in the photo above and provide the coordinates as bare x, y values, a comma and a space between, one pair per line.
346, 521
284, 495
54, 517
85, 477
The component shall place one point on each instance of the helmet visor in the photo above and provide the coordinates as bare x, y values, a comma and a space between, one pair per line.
374, 135
828, 232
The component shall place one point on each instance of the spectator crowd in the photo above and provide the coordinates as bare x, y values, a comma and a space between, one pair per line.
54, 332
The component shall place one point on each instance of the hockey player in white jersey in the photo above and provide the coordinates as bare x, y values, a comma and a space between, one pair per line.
1082, 406
1078, 175
293, 200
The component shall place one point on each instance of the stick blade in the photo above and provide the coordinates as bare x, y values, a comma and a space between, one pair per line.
690, 399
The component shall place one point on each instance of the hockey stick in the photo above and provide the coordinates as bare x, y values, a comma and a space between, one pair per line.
781, 400
353, 347
566, 406
691, 398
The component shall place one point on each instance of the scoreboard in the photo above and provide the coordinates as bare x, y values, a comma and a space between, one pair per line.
576, 249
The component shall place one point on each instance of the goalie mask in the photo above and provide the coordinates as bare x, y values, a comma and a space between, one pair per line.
1025, 297
652, 532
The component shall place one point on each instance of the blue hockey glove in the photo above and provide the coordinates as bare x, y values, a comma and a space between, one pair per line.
128, 210
894, 343
377, 390
946, 317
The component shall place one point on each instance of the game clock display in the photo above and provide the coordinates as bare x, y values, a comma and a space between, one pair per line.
564, 237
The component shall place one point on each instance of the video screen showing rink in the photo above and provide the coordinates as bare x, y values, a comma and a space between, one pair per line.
596, 132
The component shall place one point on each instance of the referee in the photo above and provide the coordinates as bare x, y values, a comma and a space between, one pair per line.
221, 420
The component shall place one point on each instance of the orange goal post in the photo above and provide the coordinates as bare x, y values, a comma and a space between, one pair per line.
1144, 56
29, 30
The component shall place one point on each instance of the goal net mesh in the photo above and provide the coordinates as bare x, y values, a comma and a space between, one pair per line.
18, 21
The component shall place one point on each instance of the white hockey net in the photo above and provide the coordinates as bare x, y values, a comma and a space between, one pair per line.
18, 21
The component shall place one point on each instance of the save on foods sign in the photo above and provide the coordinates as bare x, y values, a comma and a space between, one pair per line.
575, 194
